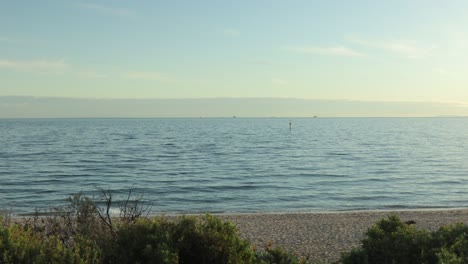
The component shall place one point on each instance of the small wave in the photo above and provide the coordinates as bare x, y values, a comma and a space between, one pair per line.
93, 161
49, 181
449, 182
322, 175
337, 154
396, 206
22, 155
172, 155
233, 188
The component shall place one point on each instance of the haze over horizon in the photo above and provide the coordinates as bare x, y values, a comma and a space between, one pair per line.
299, 58
55, 107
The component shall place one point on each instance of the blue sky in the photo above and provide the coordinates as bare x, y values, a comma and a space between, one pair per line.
379, 51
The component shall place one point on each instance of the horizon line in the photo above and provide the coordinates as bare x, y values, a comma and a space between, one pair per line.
242, 117
235, 98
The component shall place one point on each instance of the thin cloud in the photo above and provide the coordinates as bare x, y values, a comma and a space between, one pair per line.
92, 74
19, 41
458, 39
36, 65
332, 51
148, 76
263, 62
9, 40
406, 48
277, 81
439, 70
229, 32
107, 10
445, 72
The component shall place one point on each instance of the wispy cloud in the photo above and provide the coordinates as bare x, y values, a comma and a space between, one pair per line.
277, 81
229, 32
93, 74
19, 41
149, 76
263, 62
53, 66
108, 10
446, 72
332, 51
406, 48
457, 38
9, 40
439, 70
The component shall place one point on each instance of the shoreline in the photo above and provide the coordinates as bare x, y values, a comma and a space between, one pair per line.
428, 209
176, 214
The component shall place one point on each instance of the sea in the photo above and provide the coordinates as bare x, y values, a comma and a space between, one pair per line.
236, 165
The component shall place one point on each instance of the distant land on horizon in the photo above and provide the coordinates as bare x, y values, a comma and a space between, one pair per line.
56, 107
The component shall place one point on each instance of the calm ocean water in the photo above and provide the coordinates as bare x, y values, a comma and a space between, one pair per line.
238, 165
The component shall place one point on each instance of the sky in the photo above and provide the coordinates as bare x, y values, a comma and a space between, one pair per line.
389, 52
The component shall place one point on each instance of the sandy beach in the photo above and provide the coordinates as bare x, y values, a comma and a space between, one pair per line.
324, 236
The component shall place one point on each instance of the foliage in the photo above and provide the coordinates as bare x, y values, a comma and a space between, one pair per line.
393, 241
278, 256
210, 240
19, 244
453, 243
145, 241
82, 232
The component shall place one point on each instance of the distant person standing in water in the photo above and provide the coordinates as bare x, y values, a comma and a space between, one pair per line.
290, 124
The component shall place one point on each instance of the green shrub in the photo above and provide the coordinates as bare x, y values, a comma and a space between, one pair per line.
210, 240
81, 232
446, 257
21, 245
277, 255
355, 256
143, 242
392, 241
452, 242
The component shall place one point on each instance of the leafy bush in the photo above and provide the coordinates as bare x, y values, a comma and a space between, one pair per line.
81, 232
21, 245
452, 242
145, 241
210, 240
393, 241
278, 256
